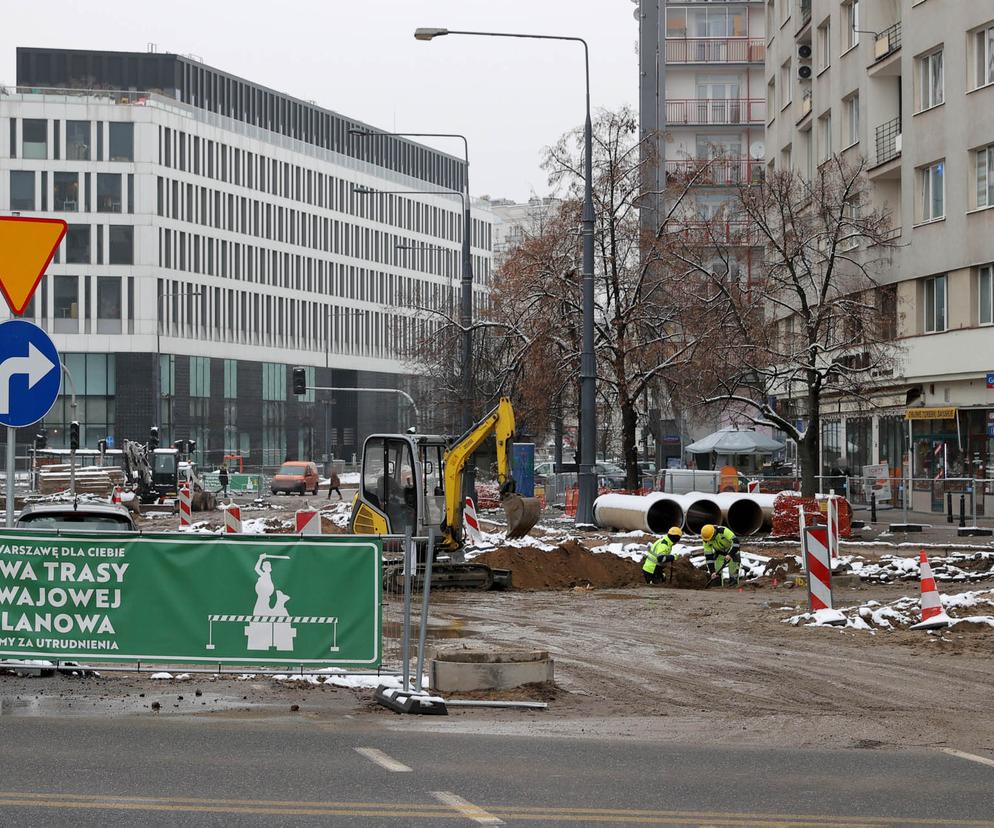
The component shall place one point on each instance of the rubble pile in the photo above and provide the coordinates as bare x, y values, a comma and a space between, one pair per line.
901, 613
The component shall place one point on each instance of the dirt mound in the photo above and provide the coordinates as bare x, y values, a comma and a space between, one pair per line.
564, 567
685, 575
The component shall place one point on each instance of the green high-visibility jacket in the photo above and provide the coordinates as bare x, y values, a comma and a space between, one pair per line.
660, 547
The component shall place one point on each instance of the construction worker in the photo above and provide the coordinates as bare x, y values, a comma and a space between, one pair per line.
721, 548
660, 552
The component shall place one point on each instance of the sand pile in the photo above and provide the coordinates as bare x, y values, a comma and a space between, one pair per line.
564, 567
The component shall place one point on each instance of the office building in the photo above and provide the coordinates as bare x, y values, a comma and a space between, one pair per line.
221, 232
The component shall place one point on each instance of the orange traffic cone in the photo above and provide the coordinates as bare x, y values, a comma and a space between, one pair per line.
933, 615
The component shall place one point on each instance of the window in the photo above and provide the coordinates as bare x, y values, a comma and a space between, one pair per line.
22, 190
984, 55
933, 191
851, 13
935, 304
77, 140
230, 379
825, 137
108, 193
986, 291
122, 142
78, 244
108, 304
930, 81
200, 376
35, 133
65, 304
824, 45
786, 84
984, 163
65, 188
852, 119
707, 22
771, 100
122, 244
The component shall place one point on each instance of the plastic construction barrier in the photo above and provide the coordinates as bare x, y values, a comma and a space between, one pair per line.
786, 510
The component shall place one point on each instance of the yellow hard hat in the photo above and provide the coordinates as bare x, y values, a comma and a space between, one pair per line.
675, 532
707, 532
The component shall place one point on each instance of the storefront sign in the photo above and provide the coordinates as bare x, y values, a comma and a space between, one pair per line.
220, 599
990, 380
948, 413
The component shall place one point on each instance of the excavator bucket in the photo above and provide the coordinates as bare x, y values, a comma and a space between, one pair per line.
522, 514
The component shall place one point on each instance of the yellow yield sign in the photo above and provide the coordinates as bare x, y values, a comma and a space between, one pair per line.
27, 245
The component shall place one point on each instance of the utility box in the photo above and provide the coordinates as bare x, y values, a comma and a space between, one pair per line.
523, 466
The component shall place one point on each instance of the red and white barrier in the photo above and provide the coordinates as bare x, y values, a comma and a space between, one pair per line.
308, 522
185, 506
116, 496
472, 525
752, 487
933, 615
818, 563
232, 519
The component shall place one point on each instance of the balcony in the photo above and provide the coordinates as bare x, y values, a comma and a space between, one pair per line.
716, 172
715, 50
888, 141
703, 232
715, 112
887, 42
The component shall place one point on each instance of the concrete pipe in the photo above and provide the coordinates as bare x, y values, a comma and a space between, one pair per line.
740, 513
700, 509
653, 513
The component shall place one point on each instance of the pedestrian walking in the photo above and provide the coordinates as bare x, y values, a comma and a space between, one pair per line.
333, 485
660, 552
223, 479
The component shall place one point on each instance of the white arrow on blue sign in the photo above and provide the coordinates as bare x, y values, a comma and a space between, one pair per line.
30, 375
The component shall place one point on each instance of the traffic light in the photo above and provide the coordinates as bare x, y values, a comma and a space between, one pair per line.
74, 436
299, 381
102, 446
153, 438
41, 439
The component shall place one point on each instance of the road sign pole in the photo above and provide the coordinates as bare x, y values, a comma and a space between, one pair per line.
11, 438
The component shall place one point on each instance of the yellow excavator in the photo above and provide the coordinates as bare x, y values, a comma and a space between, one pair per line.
415, 482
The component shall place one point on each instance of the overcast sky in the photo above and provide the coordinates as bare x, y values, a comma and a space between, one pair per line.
511, 98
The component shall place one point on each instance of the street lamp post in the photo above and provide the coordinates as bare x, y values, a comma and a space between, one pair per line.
158, 351
466, 300
588, 366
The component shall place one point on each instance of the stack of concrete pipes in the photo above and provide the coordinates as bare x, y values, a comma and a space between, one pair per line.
744, 514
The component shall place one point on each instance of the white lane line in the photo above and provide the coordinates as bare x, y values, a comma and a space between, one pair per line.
467, 809
381, 759
971, 757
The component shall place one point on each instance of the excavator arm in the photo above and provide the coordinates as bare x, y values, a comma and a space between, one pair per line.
522, 512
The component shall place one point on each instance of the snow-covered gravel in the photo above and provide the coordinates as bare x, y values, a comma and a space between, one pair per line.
900, 613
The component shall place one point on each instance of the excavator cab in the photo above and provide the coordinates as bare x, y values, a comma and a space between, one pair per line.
401, 485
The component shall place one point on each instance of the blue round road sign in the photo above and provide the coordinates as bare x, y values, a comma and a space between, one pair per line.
30, 373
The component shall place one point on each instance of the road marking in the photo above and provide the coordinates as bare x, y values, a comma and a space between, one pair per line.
381, 759
467, 809
458, 808
972, 757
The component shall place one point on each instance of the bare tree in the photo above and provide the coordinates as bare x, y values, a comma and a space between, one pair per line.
811, 320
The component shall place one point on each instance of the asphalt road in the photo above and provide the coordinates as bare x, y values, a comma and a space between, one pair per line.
380, 771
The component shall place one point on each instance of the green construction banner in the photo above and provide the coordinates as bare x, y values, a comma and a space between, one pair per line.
216, 599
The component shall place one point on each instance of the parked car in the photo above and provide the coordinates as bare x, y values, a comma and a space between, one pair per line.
610, 476
296, 476
82, 516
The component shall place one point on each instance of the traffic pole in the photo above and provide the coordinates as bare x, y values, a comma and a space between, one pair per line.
11, 436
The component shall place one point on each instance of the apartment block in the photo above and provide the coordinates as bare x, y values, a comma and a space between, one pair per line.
908, 86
